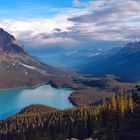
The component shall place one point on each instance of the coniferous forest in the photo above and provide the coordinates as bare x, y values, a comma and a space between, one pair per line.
102, 122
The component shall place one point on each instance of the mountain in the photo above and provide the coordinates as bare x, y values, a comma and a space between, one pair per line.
123, 62
66, 57
18, 68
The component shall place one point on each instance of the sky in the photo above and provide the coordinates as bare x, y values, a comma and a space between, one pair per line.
71, 23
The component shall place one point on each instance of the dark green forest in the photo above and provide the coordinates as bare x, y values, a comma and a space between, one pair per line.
102, 122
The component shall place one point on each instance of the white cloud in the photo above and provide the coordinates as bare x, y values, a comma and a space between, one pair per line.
78, 3
111, 20
31, 30
95, 20
28, 30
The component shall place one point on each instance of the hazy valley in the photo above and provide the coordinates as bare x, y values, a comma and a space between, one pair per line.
19, 69
70, 70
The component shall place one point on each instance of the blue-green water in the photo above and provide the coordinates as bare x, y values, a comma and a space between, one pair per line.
13, 100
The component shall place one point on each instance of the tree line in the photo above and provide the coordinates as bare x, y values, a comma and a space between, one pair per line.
100, 122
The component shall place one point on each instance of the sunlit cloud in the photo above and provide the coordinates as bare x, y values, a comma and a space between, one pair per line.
88, 21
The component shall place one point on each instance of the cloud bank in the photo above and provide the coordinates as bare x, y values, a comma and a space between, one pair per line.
84, 22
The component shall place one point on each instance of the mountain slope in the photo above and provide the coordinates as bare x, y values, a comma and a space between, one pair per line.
123, 62
18, 69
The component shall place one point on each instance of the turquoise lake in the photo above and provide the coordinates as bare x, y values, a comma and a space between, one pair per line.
13, 100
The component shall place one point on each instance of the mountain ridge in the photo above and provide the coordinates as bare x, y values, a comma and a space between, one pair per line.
19, 69
122, 62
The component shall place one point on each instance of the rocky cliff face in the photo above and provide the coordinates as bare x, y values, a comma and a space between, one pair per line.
17, 68
8, 44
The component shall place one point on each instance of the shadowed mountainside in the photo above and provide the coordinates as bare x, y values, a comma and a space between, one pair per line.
19, 69
122, 62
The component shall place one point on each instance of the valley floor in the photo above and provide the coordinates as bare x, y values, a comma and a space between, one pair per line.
87, 91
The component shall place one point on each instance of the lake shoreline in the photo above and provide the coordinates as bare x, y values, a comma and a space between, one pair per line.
37, 96
36, 86
45, 83
22, 87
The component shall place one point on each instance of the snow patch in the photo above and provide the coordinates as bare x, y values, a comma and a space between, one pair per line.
33, 68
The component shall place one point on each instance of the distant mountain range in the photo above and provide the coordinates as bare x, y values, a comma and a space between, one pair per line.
18, 69
67, 57
123, 62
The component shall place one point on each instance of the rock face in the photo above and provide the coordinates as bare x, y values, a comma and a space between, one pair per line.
17, 68
9, 48
8, 43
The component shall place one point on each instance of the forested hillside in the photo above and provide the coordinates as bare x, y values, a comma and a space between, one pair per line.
102, 122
